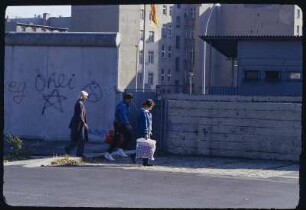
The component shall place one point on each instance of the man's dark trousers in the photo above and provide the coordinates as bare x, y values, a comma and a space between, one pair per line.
127, 135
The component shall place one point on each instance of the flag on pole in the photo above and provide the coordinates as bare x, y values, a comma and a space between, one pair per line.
154, 15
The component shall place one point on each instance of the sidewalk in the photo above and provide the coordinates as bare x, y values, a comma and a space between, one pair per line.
233, 167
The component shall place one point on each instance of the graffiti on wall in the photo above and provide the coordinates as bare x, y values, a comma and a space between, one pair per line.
95, 132
17, 90
94, 91
50, 87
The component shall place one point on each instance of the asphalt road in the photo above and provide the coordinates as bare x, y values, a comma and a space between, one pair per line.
118, 187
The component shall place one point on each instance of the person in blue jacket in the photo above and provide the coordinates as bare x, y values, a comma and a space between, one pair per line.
145, 126
121, 126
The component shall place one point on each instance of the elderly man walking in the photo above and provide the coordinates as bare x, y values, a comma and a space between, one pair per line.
78, 126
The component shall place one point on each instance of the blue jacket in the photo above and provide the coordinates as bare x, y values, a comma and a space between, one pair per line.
144, 123
122, 113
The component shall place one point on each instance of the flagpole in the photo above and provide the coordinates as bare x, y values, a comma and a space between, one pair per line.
144, 49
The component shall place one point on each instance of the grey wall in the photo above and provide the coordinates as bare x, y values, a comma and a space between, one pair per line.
234, 126
283, 56
257, 19
43, 80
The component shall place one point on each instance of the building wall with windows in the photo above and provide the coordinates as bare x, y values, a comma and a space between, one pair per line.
270, 68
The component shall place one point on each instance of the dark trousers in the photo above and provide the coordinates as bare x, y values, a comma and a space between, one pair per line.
80, 147
144, 160
127, 137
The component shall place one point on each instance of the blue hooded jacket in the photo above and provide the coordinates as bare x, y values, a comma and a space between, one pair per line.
144, 123
122, 113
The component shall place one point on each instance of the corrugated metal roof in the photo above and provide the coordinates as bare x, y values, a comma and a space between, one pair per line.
227, 45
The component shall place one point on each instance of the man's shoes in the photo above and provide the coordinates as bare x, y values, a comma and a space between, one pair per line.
108, 156
121, 153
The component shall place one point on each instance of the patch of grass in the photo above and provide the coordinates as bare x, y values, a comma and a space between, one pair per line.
66, 161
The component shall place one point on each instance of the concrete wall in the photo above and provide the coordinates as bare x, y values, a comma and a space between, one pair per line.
257, 19
234, 126
44, 74
283, 56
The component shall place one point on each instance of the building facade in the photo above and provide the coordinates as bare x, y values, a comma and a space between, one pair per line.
237, 20
168, 54
38, 23
124, 19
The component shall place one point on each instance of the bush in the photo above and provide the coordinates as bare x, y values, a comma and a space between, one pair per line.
17, 150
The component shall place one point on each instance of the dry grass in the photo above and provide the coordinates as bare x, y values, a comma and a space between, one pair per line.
66, 161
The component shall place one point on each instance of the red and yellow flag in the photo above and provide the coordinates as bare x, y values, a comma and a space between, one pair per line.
154, 15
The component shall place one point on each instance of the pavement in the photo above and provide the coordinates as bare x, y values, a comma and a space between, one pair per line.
217, 166
175, 181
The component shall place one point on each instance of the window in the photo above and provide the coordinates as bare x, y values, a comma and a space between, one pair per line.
298, 30
171, 11
192, 12
169, 52
170, 30
142, 14
177, 42
141, 35
150, 78
23, 28
185, 63
251, 75
162, 75
178, 21
295, 76
151, 36
34, 29
150, 16
177, 64
191, 34
177, 83
151, 56
169, 75
162, 54
164, 9
185, 13
178, 6
272, 75
298, 15
140, 56
164, 31
192, 55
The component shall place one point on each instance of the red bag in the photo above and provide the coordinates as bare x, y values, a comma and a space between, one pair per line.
109, 138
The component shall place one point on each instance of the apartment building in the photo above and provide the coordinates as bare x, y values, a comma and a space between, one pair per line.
168, 53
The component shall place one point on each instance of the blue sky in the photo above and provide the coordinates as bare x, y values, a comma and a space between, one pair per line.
30, 11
